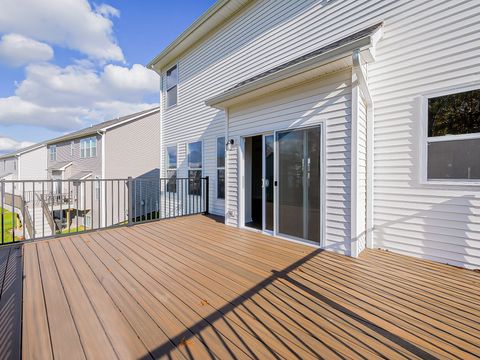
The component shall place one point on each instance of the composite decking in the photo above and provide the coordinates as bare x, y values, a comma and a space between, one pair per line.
194, 288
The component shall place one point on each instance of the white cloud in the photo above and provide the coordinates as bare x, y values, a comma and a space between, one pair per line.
67, 98
81, 84
136, 79
107, 10
18, 50
68, 23
16, 111
9, 145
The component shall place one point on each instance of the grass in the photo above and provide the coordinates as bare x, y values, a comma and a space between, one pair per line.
74, 229
8, 224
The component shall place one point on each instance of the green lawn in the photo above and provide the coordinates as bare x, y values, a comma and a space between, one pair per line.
8, 225
74, 229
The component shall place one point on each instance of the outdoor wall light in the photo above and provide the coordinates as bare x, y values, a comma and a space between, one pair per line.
229, 144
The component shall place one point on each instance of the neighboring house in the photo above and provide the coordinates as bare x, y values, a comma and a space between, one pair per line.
29, 163
114, 149
349, 123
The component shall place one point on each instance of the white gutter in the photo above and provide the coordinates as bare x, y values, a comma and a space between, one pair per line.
363, 84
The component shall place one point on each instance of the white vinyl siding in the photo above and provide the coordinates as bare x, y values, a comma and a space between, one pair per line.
427, 46
324, 100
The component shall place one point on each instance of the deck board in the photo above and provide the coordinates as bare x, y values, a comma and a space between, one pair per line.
10, 302
194, 288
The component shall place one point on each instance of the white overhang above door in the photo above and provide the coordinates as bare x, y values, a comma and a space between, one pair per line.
330, 58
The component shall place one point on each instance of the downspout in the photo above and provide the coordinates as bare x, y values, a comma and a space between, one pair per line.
363, 84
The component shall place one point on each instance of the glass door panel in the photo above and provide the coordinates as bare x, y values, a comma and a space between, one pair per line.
290, 183
299, 183
268, 181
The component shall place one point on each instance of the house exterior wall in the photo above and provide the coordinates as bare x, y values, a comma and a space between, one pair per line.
132, 150
78, 164
32, 165
8, 166
325, 101
427, 46
84, 192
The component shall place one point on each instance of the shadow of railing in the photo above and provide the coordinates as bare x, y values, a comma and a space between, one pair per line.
274, 284
10, 302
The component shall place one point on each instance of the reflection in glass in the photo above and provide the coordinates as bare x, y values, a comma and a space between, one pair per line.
195, 155
299, 183
269, 163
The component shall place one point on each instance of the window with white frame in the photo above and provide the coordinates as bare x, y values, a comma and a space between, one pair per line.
221, 168
195, 168
172, 86
88, 147
172, 169
72, 146
453, 136
53, 152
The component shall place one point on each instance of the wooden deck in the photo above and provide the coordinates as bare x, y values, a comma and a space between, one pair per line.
194, 288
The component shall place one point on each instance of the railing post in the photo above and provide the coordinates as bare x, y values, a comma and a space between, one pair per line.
130, 201
2, 191
207, 195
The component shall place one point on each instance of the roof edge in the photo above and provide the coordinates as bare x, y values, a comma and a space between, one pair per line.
126, 121
204, 19
303, 66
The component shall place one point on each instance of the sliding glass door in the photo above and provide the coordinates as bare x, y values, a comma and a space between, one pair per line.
299, 181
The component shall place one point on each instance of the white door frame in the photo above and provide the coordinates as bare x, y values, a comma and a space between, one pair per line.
241, 184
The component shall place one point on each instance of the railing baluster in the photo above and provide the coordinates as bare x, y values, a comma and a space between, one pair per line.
2, 190
34, 231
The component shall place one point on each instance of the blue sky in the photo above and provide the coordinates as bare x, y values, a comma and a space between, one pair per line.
65, 64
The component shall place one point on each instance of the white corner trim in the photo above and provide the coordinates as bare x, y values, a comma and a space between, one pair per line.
354, 233
362, 81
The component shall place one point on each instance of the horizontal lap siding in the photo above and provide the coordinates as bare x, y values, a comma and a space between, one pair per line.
78, 164
425, 49
33, 165
263, 35
362, 173
326, 99
428, 45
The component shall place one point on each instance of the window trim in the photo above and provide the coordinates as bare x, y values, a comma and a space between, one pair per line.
88, 140
168, 168
167, 107
52, 152
190, 168
220, 167
425, 139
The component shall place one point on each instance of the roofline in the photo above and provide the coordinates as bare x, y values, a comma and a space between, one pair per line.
154, 110
96, 131
22, 151
322, 59
204, 20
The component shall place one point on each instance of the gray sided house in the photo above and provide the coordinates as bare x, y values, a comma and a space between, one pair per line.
27, 164
341, 124
115, 149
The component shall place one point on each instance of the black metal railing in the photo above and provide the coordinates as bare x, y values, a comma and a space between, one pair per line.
32, 210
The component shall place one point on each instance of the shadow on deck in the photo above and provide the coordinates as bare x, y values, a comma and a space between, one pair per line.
195, 288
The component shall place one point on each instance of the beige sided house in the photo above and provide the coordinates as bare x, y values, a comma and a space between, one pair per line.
114, 149
342, 124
